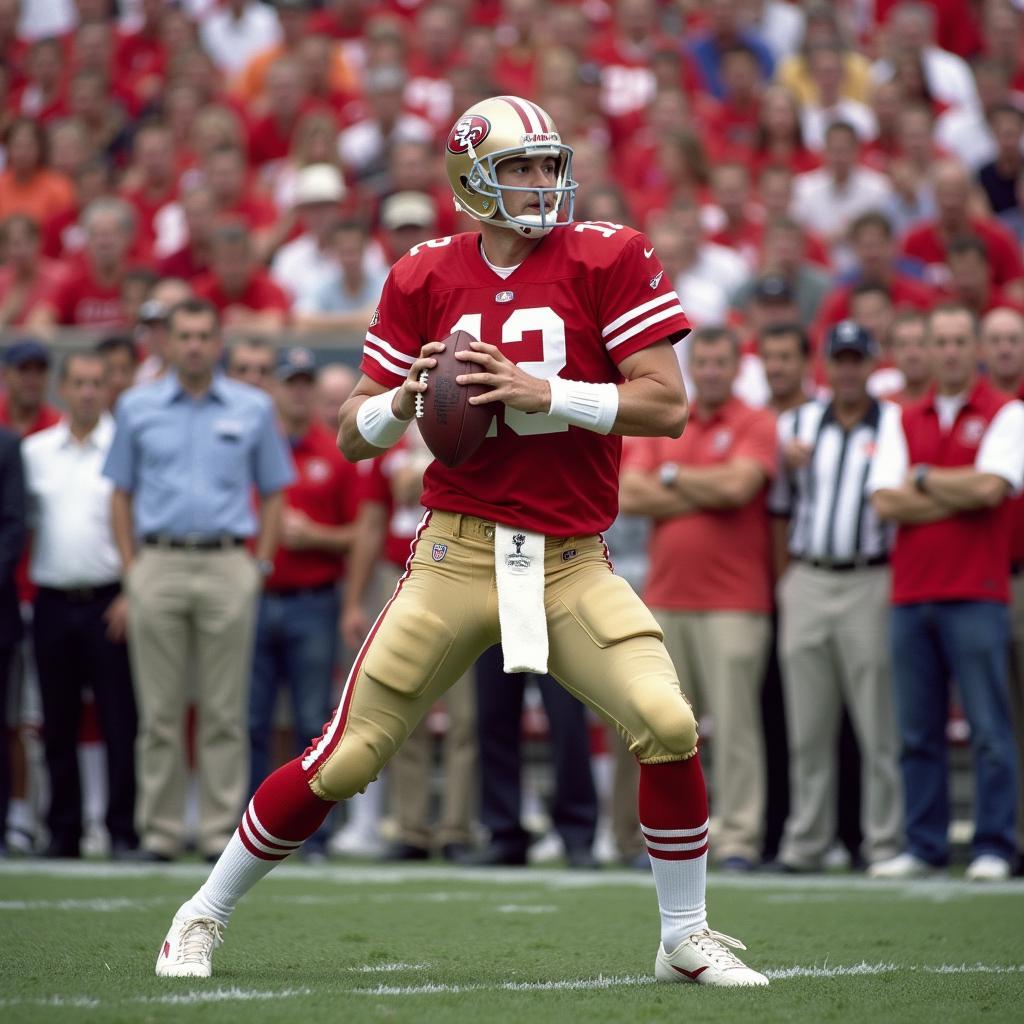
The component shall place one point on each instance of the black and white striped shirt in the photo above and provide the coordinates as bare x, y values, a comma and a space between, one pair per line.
831, 516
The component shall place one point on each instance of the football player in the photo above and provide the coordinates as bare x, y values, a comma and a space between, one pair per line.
576, 323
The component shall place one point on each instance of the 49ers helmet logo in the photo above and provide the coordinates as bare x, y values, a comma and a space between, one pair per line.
468, 131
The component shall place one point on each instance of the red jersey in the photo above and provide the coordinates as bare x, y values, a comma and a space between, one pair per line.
587, 297
906, 293
375, 485
927, 245
325, 489
259, 294
82, 301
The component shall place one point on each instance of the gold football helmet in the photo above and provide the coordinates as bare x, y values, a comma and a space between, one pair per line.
495, 130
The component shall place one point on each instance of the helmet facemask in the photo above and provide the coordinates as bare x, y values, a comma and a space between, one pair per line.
483, 180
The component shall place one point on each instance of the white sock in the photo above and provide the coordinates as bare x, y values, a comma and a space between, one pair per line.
681, 886
235, 873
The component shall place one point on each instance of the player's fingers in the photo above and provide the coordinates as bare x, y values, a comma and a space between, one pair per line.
477, 378
482, 346
483, 358
432, 347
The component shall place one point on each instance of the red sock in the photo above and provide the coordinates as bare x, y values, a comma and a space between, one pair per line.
283, 813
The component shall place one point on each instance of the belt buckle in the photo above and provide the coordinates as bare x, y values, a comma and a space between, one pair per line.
191, 541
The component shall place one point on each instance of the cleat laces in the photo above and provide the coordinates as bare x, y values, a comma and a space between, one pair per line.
199, 938
715, 946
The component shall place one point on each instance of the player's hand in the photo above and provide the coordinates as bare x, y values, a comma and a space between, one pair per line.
796, 454
508, 383
404, 403
354, 626
116, 618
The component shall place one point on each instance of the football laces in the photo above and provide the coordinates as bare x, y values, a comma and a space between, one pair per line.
424, 374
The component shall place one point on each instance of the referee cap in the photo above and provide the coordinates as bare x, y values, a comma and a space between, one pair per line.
848, 336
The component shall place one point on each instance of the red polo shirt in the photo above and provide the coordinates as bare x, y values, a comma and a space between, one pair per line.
82, 301
325, 489
927, 245
261, 293
965, 557
714, 559
375, 486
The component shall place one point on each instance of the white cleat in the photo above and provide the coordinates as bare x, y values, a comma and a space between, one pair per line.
187, 951
903, 866
988, 868
706, 958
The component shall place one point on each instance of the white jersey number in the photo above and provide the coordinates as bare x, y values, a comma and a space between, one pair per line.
552, 335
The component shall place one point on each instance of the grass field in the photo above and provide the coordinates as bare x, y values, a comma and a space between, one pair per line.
425, 944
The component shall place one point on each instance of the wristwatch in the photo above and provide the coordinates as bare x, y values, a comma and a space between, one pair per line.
265, 566
920, 477
668, 473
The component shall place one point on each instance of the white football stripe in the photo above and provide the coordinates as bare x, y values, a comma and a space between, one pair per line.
633, 331
678, 847
665, 833
265, 832
401, 357
658, 300
401, 371
261, 846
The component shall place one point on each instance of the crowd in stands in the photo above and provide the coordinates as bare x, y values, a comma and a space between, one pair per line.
836, 191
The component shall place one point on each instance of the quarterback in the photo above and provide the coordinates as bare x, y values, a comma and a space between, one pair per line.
575, 323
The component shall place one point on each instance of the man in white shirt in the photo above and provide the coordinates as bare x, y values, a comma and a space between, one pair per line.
304, 265
235, 31
827, 200
80, 615
826, 66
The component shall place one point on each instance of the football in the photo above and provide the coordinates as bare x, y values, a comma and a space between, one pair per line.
451, 427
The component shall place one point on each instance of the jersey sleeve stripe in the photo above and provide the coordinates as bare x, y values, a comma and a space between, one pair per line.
657, 318
401, 371
636, 311
400, 357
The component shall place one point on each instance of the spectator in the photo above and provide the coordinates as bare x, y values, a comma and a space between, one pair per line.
151, 329
303, 265
779, 24
725, 30
732, 124
969, 279
785, 352
389, 513
826, 201
236, 31
1013, 219
26, 278
779, 139
297, 620
999, 177
192, 259
106, 124
90, 295
775, 188
41, 96
929, 242
833, 608
284, 101
69, 147
944, 477
825, 63
735, 222
407, 219
1002, 347
26, 379
192, 586
64, 235
12, 543
251, 360
314, 141
966, 131
79, 619
334, 384
871, 307
912, 172
237, 287
347, 298
150, 183
27, 185
706, 494
911, 359
875, 261
120, 364
434, 48
910, 30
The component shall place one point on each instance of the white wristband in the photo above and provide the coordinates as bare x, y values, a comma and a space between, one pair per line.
592, 406
377, 422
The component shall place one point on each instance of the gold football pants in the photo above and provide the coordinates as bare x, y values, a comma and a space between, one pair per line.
605, 648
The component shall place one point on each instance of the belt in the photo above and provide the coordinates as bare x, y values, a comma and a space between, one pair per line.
82, 595
316, 588
193, 542
857, 563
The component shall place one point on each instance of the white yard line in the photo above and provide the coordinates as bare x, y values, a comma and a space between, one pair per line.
101, 905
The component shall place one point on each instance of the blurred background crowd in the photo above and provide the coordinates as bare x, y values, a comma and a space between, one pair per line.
817, 178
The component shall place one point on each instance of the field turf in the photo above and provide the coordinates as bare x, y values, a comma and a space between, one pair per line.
425, 944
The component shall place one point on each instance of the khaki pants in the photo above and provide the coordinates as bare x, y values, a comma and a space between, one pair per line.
180, 602
834, 647
605, 648
1017, 693
412, 769
720, 658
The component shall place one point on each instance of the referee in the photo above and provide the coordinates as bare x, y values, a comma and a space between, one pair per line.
834, 608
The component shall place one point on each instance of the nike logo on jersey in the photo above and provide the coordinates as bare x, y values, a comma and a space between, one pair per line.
649, 252
692, 975
656, 280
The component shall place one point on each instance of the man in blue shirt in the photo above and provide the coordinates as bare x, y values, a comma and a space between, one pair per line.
190, 452
727, 32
